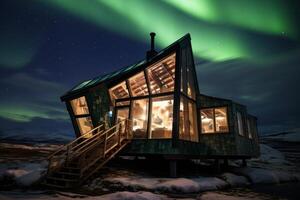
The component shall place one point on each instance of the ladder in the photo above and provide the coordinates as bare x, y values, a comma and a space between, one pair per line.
75, 162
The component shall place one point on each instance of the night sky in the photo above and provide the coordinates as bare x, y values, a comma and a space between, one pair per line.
246, 50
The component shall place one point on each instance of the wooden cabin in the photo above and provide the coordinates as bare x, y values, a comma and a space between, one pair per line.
169, 117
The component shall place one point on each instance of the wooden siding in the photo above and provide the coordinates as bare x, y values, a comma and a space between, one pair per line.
99, 104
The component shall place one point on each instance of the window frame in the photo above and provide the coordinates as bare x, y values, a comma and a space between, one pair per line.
150, 95
242, 124
214, 118
249, 129
128, 80
170, 97
148, 71
76, 116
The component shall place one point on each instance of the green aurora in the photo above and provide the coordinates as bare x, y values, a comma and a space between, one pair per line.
216, 35
217, 29
265, 16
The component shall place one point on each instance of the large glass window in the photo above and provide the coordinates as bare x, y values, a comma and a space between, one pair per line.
79, 106
138, 85
214, 120
190, 84
140, 118
161, 75
122, 113
187, 76
81, 114
188, 120
183, 120
84, 125
221, 119
207, 121
240, 123
183, 71
119, 91
162, 117
193, 121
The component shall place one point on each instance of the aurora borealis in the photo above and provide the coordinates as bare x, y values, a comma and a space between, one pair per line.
205, 20
49, 46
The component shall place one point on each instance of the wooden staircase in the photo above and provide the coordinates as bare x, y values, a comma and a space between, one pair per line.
77, 161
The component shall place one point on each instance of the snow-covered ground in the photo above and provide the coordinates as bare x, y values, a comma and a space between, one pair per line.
270, 168
22, 165
141, 195
287, 136
23, 173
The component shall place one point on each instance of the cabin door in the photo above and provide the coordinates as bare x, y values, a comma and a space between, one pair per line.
122, 113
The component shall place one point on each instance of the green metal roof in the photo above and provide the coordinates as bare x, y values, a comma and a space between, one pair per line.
124, 70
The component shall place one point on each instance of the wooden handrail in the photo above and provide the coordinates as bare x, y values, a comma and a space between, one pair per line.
107, 137
72, 142
86, 147
88, 141
90, 150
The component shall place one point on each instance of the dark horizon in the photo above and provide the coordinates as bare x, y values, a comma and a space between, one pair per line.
49, 47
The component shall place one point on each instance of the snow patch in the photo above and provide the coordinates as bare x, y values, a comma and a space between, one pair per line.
62, 196
181, 185
267, 176
235, 180
210, 183
289, 136
24, 173
174, 185
215, 196
132, 196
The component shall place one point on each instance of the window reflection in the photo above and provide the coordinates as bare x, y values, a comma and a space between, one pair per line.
161, 75
190, 84
119, 91
193, 121
249, 129
140, 118
187, 76
188, 120
221, 120
162, 117
240, 123
138, 85
207, 120
183, 120
80, 106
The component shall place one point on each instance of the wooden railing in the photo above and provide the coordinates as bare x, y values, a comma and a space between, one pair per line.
102, 150
87, 151
62, 155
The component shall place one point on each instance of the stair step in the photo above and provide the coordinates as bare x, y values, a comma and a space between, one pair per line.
71, 174
54, 186
61, 179
66, 175
63, 183
70, 170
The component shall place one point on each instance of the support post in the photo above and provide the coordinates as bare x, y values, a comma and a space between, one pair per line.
244, 164
225, 163
217, 165
119, 134
173, 168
